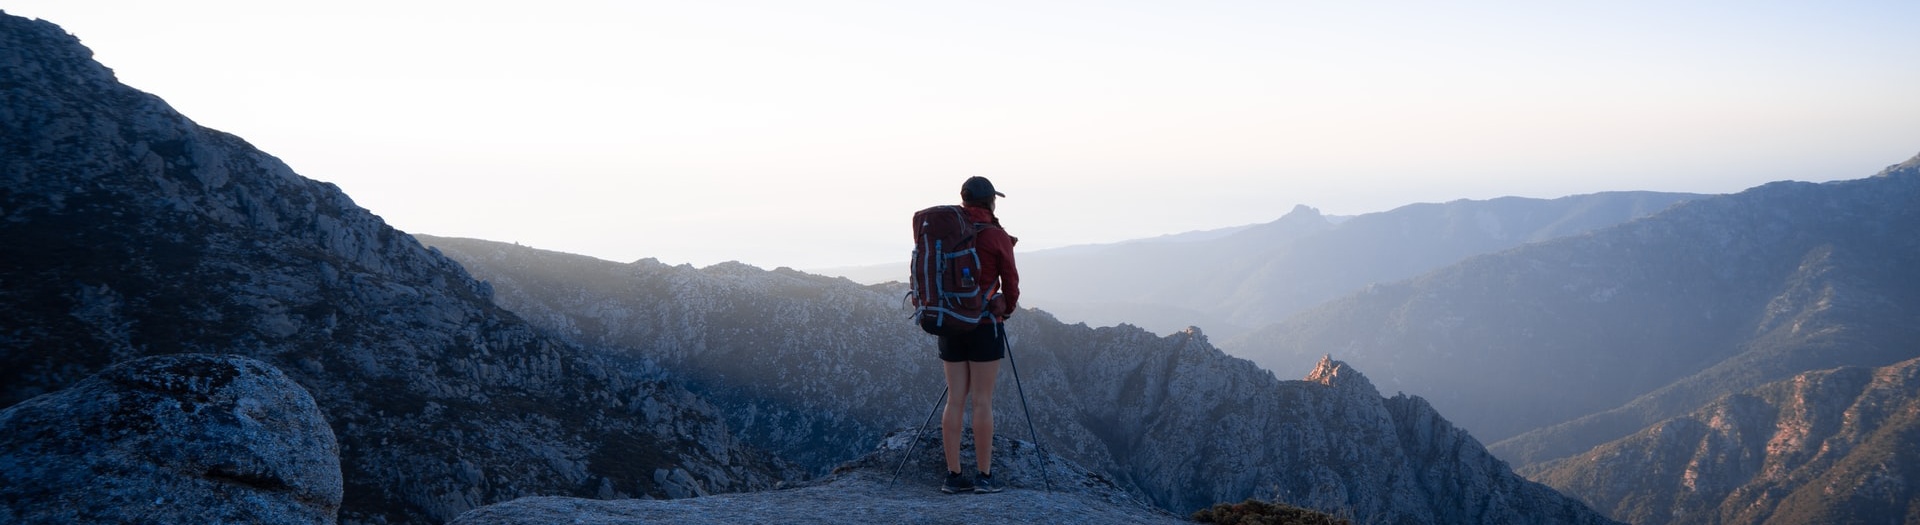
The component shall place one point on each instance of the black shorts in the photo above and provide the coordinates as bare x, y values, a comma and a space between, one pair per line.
981, 345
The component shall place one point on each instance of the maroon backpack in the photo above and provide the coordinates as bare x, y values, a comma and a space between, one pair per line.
947, 295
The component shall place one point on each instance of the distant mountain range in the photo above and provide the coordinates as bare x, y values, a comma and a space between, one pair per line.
1233, 280
1553, 348
1711, 297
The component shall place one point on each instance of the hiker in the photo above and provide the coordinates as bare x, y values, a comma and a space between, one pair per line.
972, 359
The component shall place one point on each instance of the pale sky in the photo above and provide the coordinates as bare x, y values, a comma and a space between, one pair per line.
805, 133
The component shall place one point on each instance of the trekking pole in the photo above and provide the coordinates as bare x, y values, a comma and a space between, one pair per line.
1039, 451
916, 436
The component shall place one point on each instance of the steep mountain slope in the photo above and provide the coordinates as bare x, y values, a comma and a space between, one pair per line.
126, 230
1669, 312
814, 368
1834, 446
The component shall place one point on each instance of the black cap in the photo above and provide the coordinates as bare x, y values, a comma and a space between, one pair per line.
978, 189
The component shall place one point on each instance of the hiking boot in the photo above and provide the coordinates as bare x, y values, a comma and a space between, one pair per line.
956, 483
984, 484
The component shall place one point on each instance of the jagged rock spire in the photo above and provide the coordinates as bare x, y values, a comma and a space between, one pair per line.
1338, 375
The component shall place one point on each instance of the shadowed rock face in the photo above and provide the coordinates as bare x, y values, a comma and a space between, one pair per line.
172, 439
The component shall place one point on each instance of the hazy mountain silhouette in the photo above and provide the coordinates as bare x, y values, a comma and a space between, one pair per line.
1614, 330
1232, 280
1393, 245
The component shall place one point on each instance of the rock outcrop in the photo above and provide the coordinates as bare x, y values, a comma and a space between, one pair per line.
813, 368
171, 439
127, 230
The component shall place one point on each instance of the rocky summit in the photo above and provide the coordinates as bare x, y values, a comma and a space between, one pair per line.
171, 439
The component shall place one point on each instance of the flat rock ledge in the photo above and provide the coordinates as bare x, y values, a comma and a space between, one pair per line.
862, 491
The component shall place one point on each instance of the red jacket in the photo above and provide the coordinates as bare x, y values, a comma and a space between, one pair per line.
996, 261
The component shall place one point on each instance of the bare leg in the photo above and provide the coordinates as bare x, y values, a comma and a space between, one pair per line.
957, 385
980, 385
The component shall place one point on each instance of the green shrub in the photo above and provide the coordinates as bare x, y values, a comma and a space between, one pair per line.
1256, 512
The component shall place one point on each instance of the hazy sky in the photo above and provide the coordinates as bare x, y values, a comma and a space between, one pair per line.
804, 133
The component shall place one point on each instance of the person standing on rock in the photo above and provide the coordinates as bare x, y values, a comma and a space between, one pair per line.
972, 359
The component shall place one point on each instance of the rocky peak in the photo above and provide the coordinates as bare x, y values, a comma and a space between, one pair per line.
1303, 213
1338, 375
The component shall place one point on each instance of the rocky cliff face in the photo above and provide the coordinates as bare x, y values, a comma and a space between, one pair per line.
1834, 446
813, 368
126, 230
171, 439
